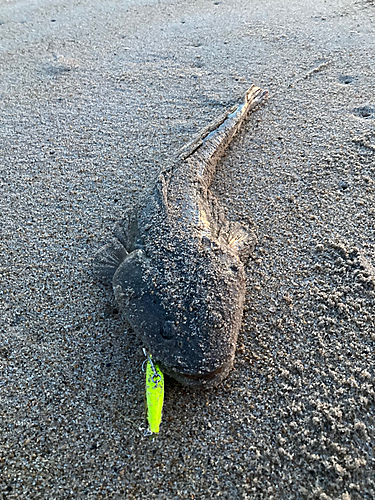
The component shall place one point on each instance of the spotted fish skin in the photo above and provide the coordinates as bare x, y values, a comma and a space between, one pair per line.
176, 263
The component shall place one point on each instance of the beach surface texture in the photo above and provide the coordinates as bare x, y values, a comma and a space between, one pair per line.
96, 98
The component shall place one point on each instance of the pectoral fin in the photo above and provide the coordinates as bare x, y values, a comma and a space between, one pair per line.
107, 260
241, 239
234, 234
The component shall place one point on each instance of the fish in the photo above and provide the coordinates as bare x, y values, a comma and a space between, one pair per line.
177, 265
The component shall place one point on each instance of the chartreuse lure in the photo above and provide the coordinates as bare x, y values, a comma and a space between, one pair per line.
154, 394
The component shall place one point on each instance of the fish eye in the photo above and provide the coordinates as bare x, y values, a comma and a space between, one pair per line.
167, 330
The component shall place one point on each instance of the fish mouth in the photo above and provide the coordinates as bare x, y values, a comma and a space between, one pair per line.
207, 376
205, 379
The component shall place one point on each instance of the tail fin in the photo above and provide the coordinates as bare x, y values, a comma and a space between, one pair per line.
212, 141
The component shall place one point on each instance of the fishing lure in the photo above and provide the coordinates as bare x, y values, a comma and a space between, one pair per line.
154, 394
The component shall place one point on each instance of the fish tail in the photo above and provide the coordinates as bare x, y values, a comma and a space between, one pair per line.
207, 149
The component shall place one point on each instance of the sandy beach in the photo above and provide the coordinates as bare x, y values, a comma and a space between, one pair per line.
95, 99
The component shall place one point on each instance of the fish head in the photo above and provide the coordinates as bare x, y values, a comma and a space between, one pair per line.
187, 310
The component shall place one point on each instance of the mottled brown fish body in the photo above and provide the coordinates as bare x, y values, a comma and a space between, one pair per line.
177, 265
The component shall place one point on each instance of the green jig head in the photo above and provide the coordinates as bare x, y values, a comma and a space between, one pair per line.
154, 394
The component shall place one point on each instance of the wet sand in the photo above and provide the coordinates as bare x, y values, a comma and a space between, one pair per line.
96, 98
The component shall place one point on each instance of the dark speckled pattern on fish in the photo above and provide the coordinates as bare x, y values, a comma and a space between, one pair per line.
177, 265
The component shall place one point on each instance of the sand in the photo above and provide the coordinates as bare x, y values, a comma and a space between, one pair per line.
96, 98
